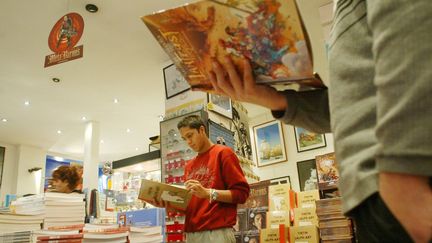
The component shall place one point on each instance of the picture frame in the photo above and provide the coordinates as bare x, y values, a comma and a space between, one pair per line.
269, 143
221, 105
307, 175
307, 140
175, 83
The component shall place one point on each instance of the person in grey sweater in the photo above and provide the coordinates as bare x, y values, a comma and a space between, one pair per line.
378, 106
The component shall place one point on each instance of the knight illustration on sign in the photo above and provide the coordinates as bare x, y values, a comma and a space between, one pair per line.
66, 32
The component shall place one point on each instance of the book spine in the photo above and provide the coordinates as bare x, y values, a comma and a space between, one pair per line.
59, 237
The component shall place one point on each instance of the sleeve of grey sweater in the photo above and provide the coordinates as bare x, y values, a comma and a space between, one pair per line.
402, 49
307, 109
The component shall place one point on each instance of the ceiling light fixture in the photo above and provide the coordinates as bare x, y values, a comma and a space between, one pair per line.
128, 130
56, 80
91, 8
4, 120
136, 149
116, 101
27, 103
59, 131
84, 118
102, 141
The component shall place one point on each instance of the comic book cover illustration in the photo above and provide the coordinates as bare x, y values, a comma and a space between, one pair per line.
328, 173
269, 33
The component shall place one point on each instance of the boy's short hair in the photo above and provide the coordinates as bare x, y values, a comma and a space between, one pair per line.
192, 121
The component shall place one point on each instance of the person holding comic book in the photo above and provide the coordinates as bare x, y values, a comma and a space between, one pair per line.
217, 183
380, 109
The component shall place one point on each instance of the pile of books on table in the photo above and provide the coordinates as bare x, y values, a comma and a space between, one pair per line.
63, 209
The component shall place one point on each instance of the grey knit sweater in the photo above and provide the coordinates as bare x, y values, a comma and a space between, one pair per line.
380, 94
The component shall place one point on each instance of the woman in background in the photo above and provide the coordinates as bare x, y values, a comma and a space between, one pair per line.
66, 179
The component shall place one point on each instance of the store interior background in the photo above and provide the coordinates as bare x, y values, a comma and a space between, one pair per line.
121, 61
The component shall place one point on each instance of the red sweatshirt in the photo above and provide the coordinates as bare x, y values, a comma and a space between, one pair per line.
218, 168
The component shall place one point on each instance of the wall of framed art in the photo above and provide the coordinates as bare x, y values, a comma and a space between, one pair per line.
295, 155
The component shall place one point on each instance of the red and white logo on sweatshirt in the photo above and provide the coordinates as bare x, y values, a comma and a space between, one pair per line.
202, 174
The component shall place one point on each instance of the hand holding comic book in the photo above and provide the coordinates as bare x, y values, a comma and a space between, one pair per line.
226, 80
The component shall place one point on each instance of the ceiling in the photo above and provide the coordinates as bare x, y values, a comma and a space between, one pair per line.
121, 61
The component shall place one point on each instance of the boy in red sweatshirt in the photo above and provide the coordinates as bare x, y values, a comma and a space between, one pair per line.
217, 183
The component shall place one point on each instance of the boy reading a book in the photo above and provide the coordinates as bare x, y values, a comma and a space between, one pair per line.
217, 183
379, 102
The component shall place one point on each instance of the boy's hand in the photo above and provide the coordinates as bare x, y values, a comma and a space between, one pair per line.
197, 189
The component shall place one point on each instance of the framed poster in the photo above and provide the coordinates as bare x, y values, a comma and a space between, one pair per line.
220, 104
307, 174
269, 143
306, 140
174, 82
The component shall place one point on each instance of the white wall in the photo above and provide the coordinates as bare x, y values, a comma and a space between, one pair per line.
289, 167
8, 184
29, 157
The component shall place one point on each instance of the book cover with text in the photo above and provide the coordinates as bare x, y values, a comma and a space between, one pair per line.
269, 33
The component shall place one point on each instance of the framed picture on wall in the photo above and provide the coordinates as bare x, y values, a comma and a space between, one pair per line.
307, 174
269, 143
220, 104
174, 82
306, 140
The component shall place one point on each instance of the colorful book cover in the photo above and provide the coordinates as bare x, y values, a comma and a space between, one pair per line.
258, 195
328, 173
142, 218
270, 33
257, 219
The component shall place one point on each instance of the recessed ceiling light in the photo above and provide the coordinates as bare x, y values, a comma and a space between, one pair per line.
136, 149
102, 141
91, 8
59, 131
4, 120
116, 101
83, 118
27, 103
128, 130
56, 80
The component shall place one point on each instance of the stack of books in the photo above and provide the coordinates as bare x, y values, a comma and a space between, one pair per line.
148, 224
145, 234
21, 236
10, 223
24, 214
64, 209
31, 205
112, 233
333, 225
70, 233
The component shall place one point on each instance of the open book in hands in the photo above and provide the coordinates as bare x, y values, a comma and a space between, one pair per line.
155, 193
270, 33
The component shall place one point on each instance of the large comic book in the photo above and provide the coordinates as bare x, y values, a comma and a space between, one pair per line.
270, 33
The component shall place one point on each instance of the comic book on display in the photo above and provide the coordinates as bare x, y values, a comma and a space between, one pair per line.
177, 197
328, 173
270, 33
